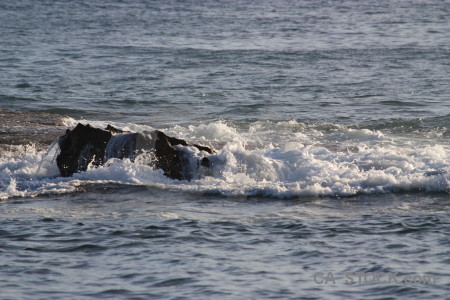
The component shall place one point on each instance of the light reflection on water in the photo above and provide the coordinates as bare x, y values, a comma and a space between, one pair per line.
364, 85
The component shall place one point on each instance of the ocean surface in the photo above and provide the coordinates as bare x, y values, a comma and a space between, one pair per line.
331, 125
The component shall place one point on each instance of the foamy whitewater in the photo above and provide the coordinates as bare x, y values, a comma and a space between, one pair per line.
273, 159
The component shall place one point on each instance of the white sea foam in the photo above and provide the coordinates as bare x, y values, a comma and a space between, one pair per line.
286, 159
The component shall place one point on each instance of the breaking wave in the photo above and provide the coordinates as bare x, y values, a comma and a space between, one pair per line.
274, 159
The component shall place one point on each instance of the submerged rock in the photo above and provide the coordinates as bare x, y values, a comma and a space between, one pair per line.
24, 128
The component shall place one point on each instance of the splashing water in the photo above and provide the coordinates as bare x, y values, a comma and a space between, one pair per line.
274, 159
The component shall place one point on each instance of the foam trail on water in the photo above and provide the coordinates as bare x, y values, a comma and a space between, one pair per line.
274, 159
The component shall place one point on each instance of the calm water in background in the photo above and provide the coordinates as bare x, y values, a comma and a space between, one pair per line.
332, 124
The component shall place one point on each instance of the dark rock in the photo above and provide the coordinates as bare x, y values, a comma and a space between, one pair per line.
86, 145
81, 146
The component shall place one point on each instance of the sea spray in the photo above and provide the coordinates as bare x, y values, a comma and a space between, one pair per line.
294, 160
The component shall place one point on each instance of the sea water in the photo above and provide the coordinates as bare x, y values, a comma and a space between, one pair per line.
330, 122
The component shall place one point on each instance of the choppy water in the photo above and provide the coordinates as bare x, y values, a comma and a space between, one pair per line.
331, 125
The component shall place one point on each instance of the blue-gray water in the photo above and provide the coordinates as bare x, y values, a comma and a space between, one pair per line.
331, 121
